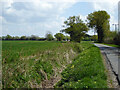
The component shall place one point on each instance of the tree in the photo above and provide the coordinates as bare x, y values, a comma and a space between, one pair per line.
67, 38
28, 37
3, 37
110, 37
49, 36
59, 36
23, 38
42, 39
99, 20
75, 28
8, 37
86, 37
94, 37
34, 37
16, 38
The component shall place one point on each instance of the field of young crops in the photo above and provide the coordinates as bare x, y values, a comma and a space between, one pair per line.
39, 64
33, 63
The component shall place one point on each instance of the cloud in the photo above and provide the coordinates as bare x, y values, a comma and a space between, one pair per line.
38, 11
23, 18
28, 17
108, 6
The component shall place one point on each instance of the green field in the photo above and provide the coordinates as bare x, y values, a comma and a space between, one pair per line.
28, 63
39, 64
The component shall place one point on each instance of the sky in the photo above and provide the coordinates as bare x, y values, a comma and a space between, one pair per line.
37, 17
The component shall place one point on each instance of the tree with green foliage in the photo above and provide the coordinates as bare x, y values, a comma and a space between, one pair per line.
94, 37
99, 20
110, 37
75, 28
34, 37
67, 38
3, 37
59, 36
49, 36
86, 37
16, 38
23, 37
8, 37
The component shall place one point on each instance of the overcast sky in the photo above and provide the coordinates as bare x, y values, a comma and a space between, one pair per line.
36, 17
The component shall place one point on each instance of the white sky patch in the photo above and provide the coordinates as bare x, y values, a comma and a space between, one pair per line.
108, 6
1, 18
30, 11
60, 0
83, 18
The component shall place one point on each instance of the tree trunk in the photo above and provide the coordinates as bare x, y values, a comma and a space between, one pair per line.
100, 35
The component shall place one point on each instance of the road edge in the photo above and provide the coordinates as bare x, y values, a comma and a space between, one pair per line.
112, 79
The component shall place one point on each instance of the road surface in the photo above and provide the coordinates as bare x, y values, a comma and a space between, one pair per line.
113, 55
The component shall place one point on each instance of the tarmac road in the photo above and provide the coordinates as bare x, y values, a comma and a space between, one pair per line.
113, 55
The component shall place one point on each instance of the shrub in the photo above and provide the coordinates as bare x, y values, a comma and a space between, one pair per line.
117, 39
109, 39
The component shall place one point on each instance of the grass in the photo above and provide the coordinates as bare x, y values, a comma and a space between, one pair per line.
86, 71
113, 45
26, 64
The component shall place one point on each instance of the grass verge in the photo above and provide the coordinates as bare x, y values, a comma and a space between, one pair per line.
112, 45
86, 71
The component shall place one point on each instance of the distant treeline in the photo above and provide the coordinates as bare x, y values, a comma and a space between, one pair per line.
48, 38
32, 37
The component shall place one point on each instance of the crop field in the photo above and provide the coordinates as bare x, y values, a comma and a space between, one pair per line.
33, 63
44, 64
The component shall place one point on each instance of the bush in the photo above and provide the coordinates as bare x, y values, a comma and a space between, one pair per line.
117, 39
49, 37
109, 39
